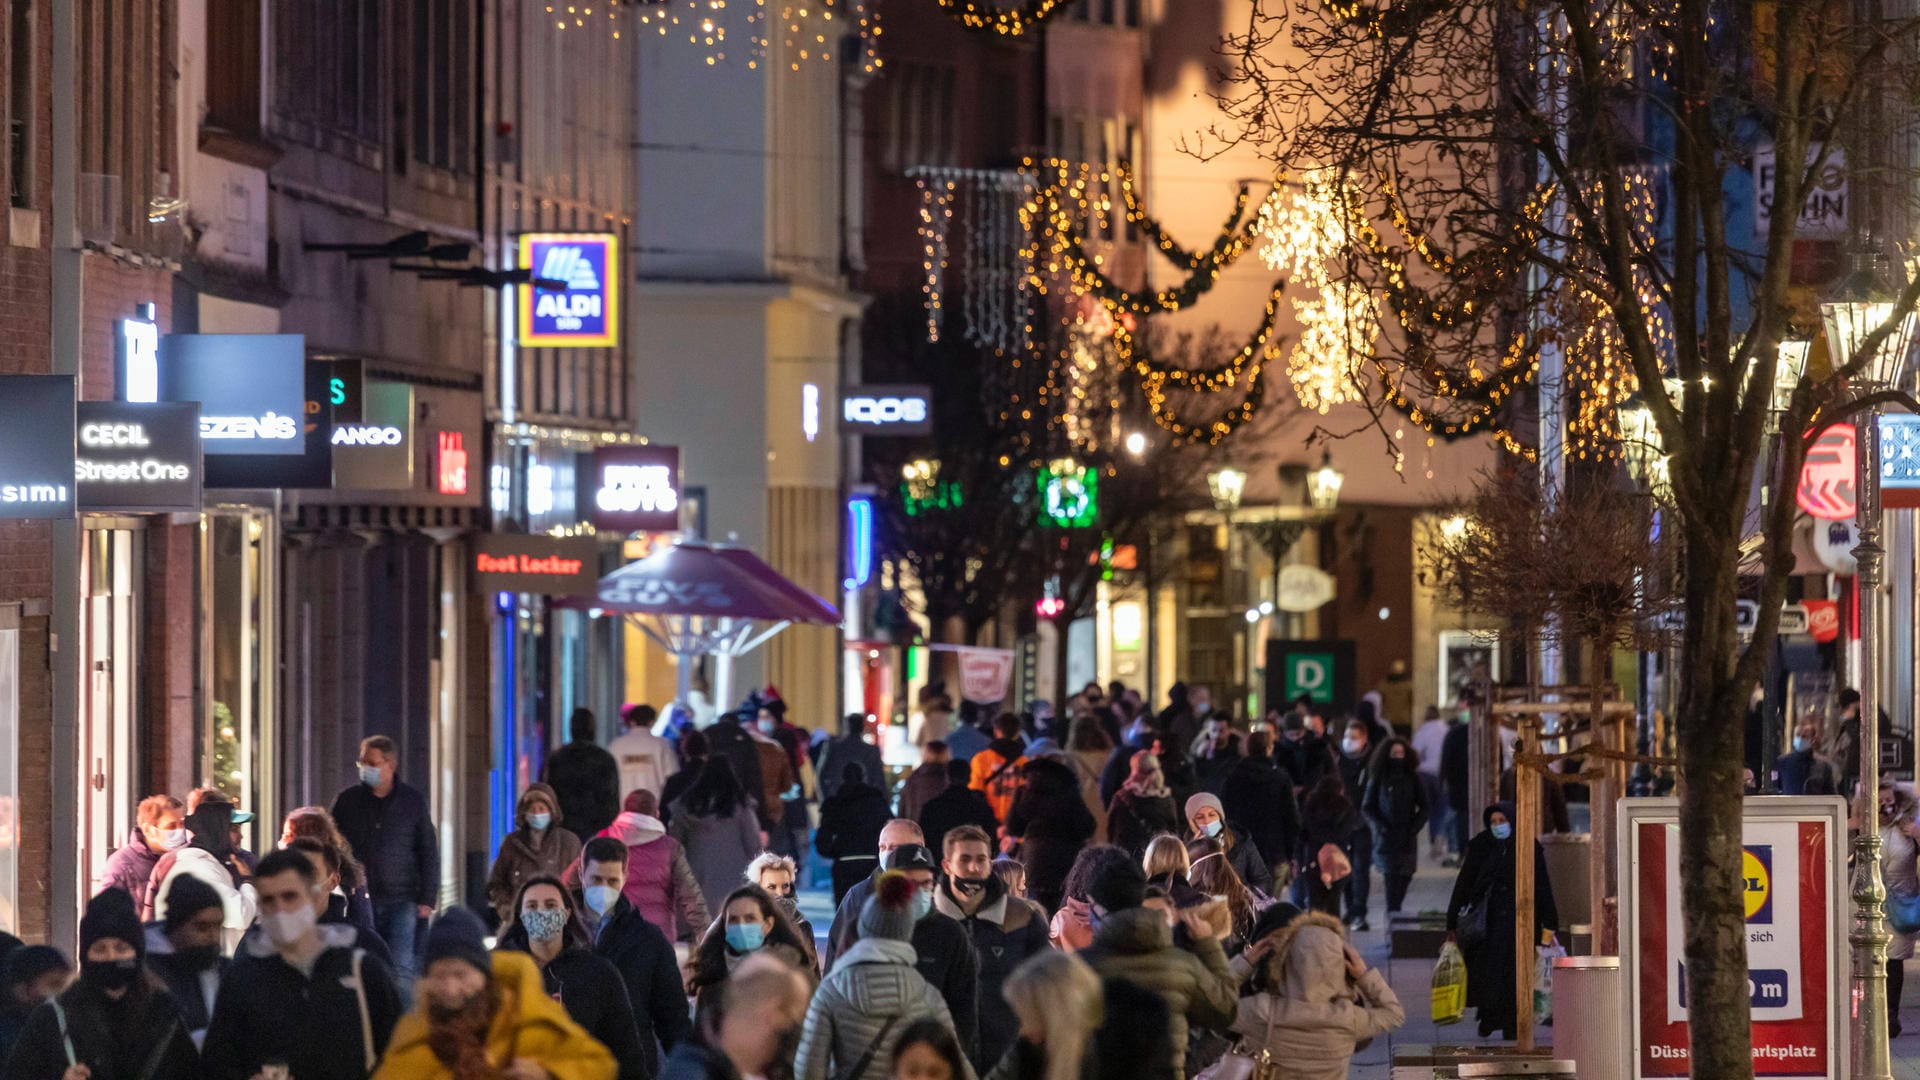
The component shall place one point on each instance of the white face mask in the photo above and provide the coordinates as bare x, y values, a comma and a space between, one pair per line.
1352, 745
175, 839
283, 928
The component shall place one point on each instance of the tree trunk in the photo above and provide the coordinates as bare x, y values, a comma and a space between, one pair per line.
1710, 734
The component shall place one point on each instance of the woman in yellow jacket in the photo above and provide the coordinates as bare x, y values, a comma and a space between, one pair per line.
486, 1016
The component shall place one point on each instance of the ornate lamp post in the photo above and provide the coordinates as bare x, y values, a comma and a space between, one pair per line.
1864, 302
1227, 484
1323, 484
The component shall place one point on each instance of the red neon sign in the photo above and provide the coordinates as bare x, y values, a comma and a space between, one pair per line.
1827, 479
453, 463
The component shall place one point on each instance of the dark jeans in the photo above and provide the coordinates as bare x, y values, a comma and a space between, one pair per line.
1440, 812
1360, 885
396, 920
1896, 981
1459, 816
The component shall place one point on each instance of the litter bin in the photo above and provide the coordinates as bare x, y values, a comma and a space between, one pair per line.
1587, 1007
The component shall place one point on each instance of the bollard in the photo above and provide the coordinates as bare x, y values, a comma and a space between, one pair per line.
1588, 1001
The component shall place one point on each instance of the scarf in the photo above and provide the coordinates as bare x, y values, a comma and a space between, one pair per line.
1151, 786
459, 1040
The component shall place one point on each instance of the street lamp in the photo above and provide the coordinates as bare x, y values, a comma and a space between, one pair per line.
1866, 301
1323, 484
1227, 484
1641, 445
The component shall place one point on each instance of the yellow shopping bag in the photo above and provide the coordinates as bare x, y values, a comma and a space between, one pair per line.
1449, 985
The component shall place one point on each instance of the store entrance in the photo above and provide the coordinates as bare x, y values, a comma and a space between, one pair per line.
111, 570
234, 745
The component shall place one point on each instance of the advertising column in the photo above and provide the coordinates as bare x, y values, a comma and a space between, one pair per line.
1793, 870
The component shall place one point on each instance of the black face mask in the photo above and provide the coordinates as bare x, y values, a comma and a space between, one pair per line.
969, 886
109, 975
198, 958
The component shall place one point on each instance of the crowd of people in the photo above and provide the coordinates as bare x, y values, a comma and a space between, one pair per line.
1105, 891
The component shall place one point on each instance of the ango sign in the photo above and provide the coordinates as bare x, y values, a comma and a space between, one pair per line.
36, 446
139, 458
634, 489
887, 410
1792, 873
587, 312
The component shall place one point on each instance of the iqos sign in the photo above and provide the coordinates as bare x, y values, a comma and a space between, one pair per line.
887, 410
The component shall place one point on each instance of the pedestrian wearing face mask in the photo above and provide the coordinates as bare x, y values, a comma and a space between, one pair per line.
184, 951
635, 947
326, 864
751, 1027
660, 882
209, 856
778, 875
30, 975
1804, 770
116, 1022
546, 927
751, 923
1356, 750
486, 1015
943, 953
301, 994
1207, 820
1005, 931
1481, 914
872, 995
390, 827
536, 847
1396, 806
160, 826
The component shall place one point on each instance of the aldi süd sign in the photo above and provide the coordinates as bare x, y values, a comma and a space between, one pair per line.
587, 313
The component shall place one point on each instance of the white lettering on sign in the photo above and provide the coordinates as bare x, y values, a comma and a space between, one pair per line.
140, 348
130, 472
271, 426
884, 410
367, 435
627, 488
33, 493
568, 312
113, 435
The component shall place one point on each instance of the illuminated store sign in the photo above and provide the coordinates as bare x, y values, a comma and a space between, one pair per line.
547, 565
450, 467
887, 410
137, 350
635, 489
138, 458
587, 312
251, 389
36, 446
1827, 478
1069, 495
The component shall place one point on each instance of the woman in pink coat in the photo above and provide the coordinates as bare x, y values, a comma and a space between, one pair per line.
660, 882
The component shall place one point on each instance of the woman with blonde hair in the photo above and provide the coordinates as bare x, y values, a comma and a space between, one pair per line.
1166, 864
1209, 872
1057, 998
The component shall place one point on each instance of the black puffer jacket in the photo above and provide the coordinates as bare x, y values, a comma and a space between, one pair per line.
1258, 794
394, 838
644, 958
592, 992
139, 1037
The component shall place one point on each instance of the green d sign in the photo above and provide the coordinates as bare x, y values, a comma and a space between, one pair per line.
1309, 675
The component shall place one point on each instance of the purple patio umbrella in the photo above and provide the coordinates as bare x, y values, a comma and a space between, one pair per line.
697, 599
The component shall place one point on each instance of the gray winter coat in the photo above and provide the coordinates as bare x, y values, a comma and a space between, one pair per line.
718, 848
872, 983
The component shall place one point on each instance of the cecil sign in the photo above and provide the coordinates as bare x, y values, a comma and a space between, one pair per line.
587, 312
139, 458
1793, 883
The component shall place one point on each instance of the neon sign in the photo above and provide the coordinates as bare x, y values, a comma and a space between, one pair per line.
1069, 495
587, 312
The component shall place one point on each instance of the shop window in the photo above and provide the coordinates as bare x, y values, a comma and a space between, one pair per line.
20, 71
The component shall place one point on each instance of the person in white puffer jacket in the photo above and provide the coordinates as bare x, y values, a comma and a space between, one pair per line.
210, 857
873, 994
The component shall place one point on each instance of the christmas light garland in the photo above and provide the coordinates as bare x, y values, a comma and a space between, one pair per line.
1029, 15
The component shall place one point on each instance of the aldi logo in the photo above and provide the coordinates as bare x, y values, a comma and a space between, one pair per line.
587, 313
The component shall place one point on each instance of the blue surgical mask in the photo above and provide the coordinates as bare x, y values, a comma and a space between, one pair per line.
544, 924
539, 822
600, 898
1503, 830
1212, 828
1802, 745
369, 775
922, 903
745, 937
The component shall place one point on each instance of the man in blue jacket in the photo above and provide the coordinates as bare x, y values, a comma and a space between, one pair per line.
388, 823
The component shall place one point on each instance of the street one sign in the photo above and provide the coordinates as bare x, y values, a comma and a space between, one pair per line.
36, 447
587, 313
886, 410
546, 565
139, 457
1793, 872
1827, 478
632, 489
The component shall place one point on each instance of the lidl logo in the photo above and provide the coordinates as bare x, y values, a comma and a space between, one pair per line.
1756, 882
587, 312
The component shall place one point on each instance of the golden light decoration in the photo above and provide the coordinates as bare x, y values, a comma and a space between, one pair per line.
936, 216
808, 30
1339, 325
1012, 22
1306, 226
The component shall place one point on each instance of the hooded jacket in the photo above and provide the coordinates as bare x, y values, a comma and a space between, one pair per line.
269, 1010
528, 1024
210, 858
873, 991
943, 955
130, 868
524, 853
194, 992
1005, 930
1200, 991
139, 1037
1315, 1017
660, 882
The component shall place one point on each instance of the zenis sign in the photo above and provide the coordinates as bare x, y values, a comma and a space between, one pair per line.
586, 314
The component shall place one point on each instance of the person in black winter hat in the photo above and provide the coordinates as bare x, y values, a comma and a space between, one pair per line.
116, 1019
184, 951
31, 975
